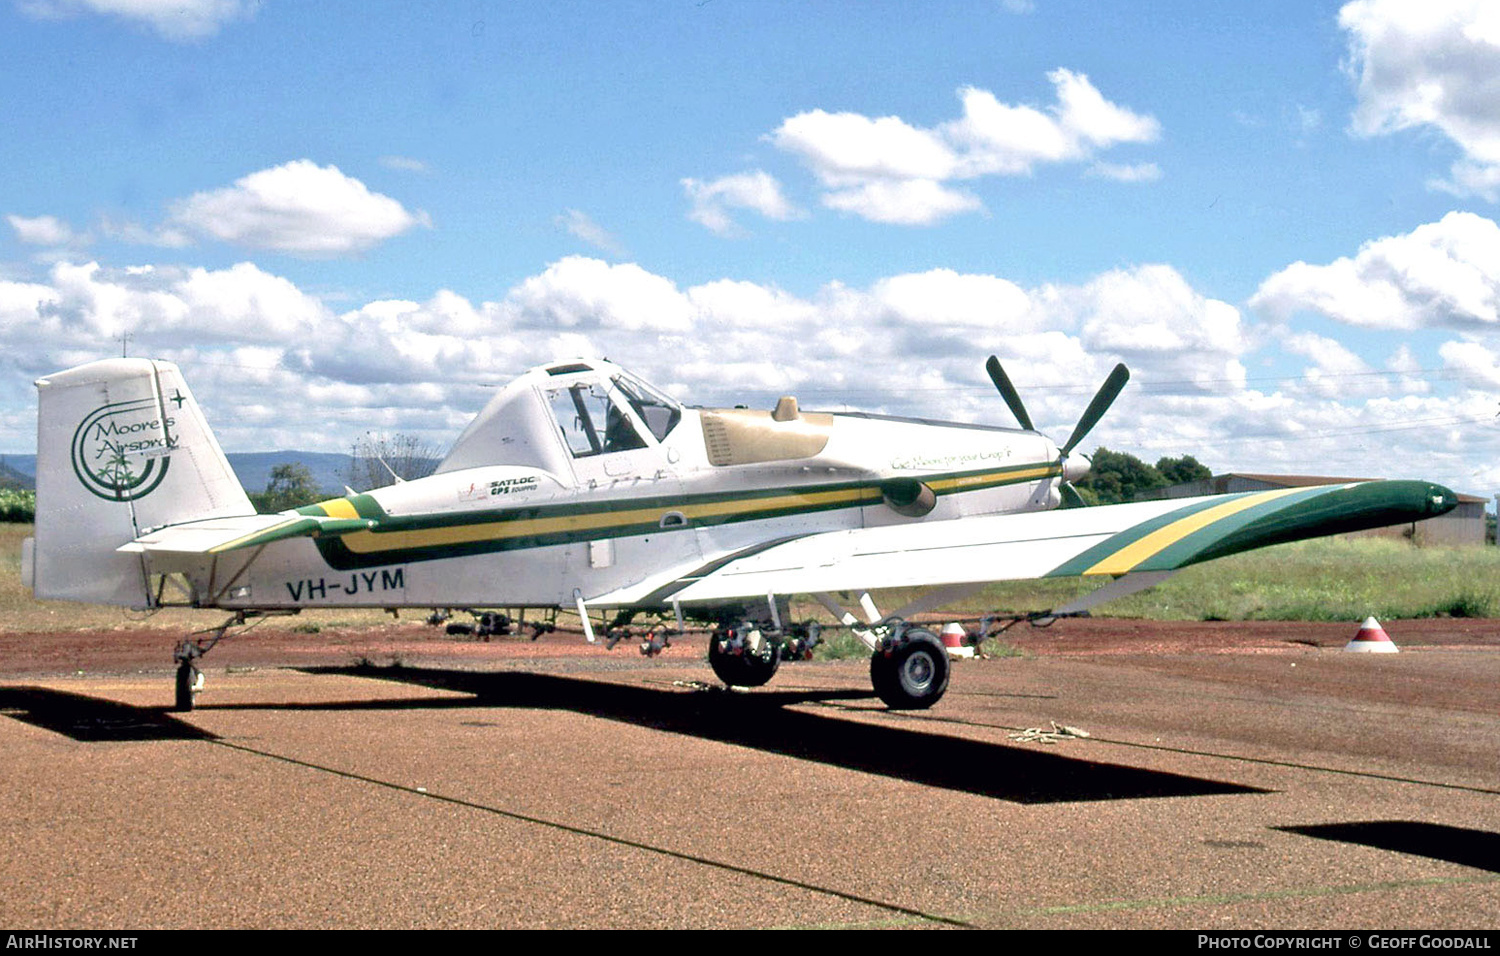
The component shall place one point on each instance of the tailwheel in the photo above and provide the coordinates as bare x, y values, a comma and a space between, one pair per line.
189, 677
743, 657
911, 671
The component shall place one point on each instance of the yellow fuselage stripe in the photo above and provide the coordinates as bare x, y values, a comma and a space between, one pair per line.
365, 542
339, 508
1134, 553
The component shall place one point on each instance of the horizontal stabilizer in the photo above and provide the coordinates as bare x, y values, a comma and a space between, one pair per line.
221, 535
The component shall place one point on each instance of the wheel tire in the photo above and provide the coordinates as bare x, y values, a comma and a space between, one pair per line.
743, 670
915, 675
187, 677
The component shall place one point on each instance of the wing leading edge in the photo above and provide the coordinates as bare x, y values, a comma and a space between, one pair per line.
1110, 540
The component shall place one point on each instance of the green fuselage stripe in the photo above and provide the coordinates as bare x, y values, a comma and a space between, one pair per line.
408, 538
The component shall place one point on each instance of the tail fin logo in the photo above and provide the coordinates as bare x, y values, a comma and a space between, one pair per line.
121, 451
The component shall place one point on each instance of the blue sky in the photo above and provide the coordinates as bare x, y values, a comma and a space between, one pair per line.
339, 217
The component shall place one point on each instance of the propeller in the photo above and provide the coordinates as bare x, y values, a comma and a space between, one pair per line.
1105, 397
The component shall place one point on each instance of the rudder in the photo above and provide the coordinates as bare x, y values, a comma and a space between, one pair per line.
122, 448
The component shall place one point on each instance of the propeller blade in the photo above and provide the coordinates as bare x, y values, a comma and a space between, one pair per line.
1070, 496
1108, 392
1008, 392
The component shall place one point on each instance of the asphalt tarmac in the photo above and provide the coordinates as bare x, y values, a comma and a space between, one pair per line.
1295, 788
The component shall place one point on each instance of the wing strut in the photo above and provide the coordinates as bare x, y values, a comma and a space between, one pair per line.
848, 619
1124, 584
583, 616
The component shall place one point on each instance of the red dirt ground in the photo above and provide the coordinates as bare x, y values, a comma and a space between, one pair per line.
137, 650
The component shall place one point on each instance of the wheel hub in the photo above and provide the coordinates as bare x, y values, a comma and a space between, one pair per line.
919, 670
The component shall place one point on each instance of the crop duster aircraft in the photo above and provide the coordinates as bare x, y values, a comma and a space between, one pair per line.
582, 487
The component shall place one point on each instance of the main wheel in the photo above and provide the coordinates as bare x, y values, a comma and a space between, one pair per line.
742, 670
915, 675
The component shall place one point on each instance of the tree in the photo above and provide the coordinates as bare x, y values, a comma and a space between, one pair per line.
291, 486
1117, 476
374, 458
1179, 471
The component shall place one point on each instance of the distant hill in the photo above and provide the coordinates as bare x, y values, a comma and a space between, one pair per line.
12, 477
253, 468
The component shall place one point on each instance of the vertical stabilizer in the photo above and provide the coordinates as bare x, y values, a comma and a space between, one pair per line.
122, 448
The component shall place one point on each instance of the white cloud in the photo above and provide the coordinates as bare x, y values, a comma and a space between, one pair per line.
944, 299
906, 202
1474, 362
756, 190
41, 230
579, 224
405, 164
1137, 173
172, 19
1335, 370
1445, 273
888, 170
848, 148
1434, 64
276, 367
1148, 310
299, 208
577, 292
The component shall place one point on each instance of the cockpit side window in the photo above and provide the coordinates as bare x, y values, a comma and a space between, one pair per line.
659, 412
591, 423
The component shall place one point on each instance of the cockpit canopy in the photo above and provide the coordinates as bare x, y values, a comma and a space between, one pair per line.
561, 411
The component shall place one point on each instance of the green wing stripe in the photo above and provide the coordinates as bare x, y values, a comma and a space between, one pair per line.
1129, 536
1175, 555
1284, 515
1336, 509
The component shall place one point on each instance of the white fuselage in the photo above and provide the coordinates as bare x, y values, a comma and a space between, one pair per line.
616, 524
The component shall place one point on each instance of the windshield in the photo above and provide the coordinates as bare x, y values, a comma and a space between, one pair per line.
591, 423
659, 412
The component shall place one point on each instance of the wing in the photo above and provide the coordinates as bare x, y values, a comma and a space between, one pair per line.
1109, 540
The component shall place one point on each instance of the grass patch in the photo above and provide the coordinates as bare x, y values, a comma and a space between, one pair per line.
840, 645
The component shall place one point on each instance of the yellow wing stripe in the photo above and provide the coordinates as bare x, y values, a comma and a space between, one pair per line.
1128, 557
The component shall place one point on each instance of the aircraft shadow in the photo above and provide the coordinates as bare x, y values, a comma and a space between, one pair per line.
763, 721
1477, 848
93, 719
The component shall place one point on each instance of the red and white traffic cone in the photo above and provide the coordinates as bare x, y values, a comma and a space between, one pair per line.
956, 640
1372, 639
